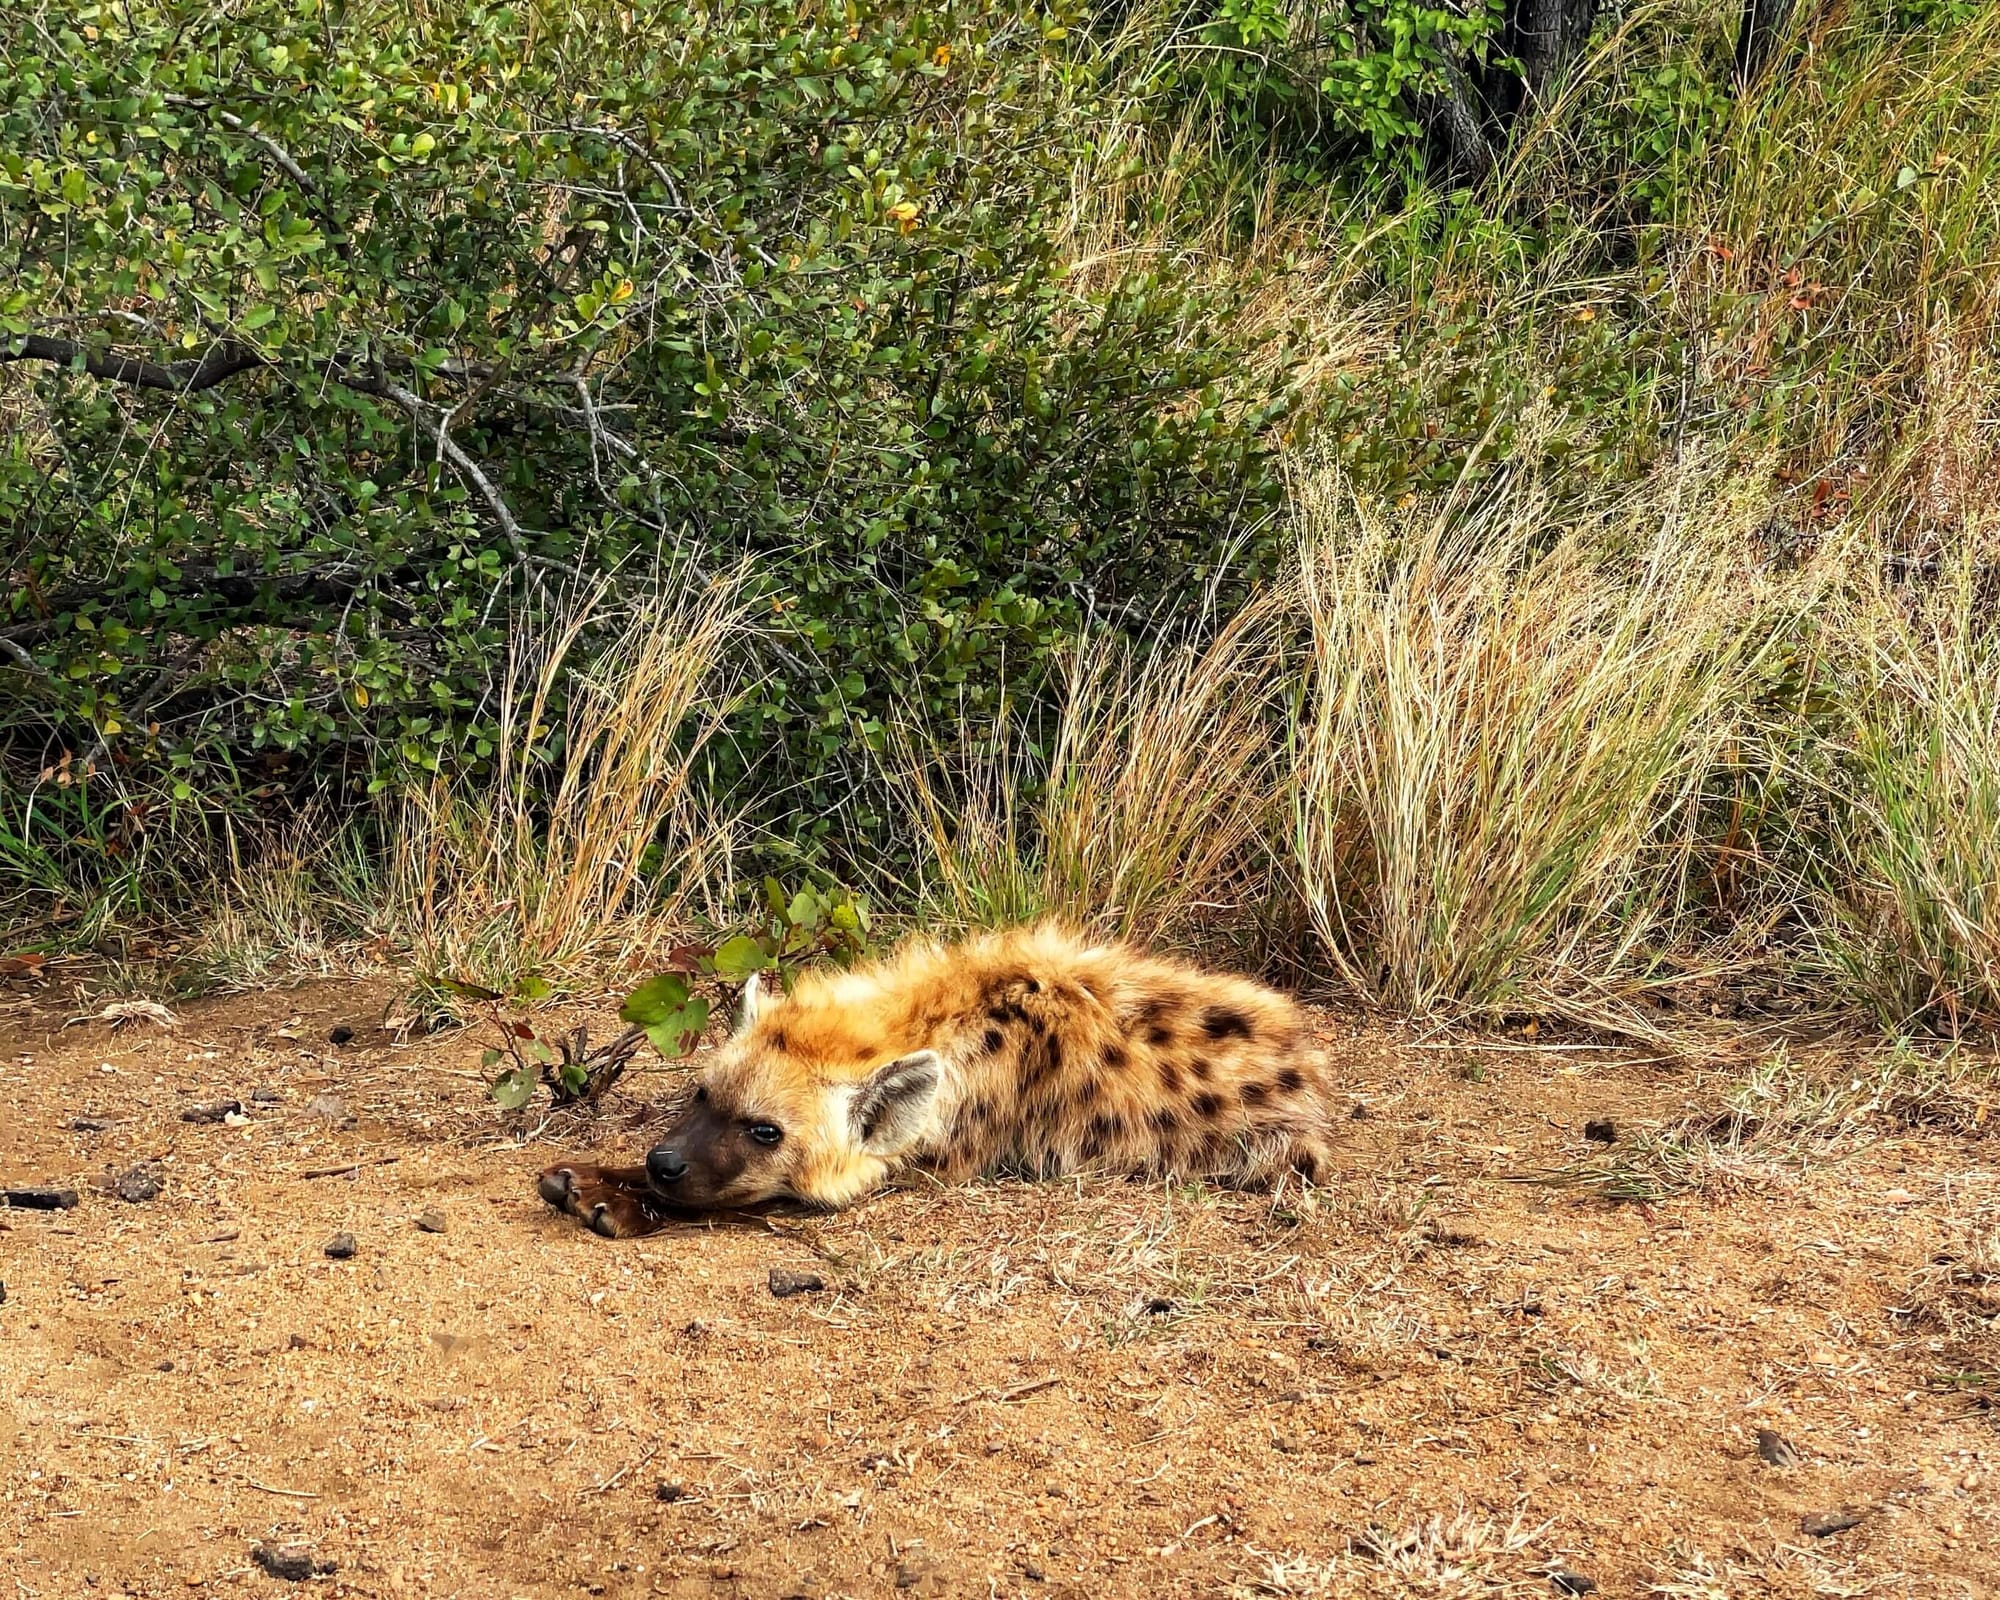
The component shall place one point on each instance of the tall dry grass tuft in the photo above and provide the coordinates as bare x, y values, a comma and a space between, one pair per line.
1507, 728
1153, 800
1850, 208
1910, 908
591, 841
304, 902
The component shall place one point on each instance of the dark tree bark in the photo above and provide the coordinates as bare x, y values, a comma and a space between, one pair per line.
1763, 24
1543, 36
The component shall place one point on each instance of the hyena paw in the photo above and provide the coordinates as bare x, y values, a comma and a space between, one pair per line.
610, 1204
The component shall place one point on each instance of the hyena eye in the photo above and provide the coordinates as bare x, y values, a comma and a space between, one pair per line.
766, 1132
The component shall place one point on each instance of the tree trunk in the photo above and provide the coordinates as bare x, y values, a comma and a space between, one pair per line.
1543, 36
1763, 23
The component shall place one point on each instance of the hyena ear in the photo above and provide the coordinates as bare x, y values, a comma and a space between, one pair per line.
750, 1005
890, 1108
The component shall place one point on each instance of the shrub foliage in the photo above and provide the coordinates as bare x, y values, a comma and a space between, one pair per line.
334, 339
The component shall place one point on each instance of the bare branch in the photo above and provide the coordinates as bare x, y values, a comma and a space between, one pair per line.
22, 659
217, 364
448, 449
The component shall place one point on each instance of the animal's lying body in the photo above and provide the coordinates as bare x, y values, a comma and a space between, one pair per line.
1032, 1050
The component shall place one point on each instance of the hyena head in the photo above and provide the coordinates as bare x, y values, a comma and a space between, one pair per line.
765, 1124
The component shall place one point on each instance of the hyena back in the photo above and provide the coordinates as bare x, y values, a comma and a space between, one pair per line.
1031, 1050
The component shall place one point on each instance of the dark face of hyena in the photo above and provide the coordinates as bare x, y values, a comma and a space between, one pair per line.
713, 1156
761, 1126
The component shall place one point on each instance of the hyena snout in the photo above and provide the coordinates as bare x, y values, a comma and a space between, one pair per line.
666, 1166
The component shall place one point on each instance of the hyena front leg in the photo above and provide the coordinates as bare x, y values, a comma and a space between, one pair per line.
612, 1201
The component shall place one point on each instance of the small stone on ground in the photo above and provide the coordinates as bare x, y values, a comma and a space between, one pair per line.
292, 1562
341, 1247
785, 1282
141, 1183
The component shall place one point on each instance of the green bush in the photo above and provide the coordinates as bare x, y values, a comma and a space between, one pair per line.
336, 336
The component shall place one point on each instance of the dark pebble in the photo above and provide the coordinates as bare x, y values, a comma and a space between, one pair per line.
1563, 1581
266, 1096
163, 1366
1360, 1113
88, 1124
1033, 1573
785, 1282
1775, 1450
140, 1184
671, 1492
340, 1035
39, 1199
213, 1111
1602, 1130
3, 1294
1161, 1306
340, 1247
1819, 1524
292, 1562
432, 1221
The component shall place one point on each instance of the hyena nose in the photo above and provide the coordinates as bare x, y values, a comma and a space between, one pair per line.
665, 1166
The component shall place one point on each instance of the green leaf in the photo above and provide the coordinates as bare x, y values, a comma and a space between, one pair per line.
655, 1000
532, 988
513, 1089
674, 1036
466, 991
740, 956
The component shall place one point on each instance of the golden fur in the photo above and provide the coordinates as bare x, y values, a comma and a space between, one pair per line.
1033, 1050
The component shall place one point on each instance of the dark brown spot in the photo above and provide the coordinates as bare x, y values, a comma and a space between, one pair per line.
1160, 1033
1291, 1080
778, 1040
1163, 1118
993, 1041
1255, 1094
1170, 1077
1203, 1069
1206, 1104
1104, 1130
1219, 1022
1115, 1059
1154, 1008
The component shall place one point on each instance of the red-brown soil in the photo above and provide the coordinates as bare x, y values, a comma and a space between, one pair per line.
1422, 1380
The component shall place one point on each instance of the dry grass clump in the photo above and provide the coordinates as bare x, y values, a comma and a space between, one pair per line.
589, 844
1956, 1293
1455, 1557
1910, 908
1509, 721
304, 904
1783, 1118
1147, 816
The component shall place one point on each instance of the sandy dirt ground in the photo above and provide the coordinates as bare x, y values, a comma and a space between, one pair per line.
1424, 1379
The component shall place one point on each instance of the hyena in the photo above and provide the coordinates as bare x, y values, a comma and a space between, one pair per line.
1032, 1050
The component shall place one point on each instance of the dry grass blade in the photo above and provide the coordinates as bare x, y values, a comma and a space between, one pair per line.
1911, 907
1510, 719
589, 842
1154, 799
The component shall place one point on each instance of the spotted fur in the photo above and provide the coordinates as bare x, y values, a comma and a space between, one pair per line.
1031, 1050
